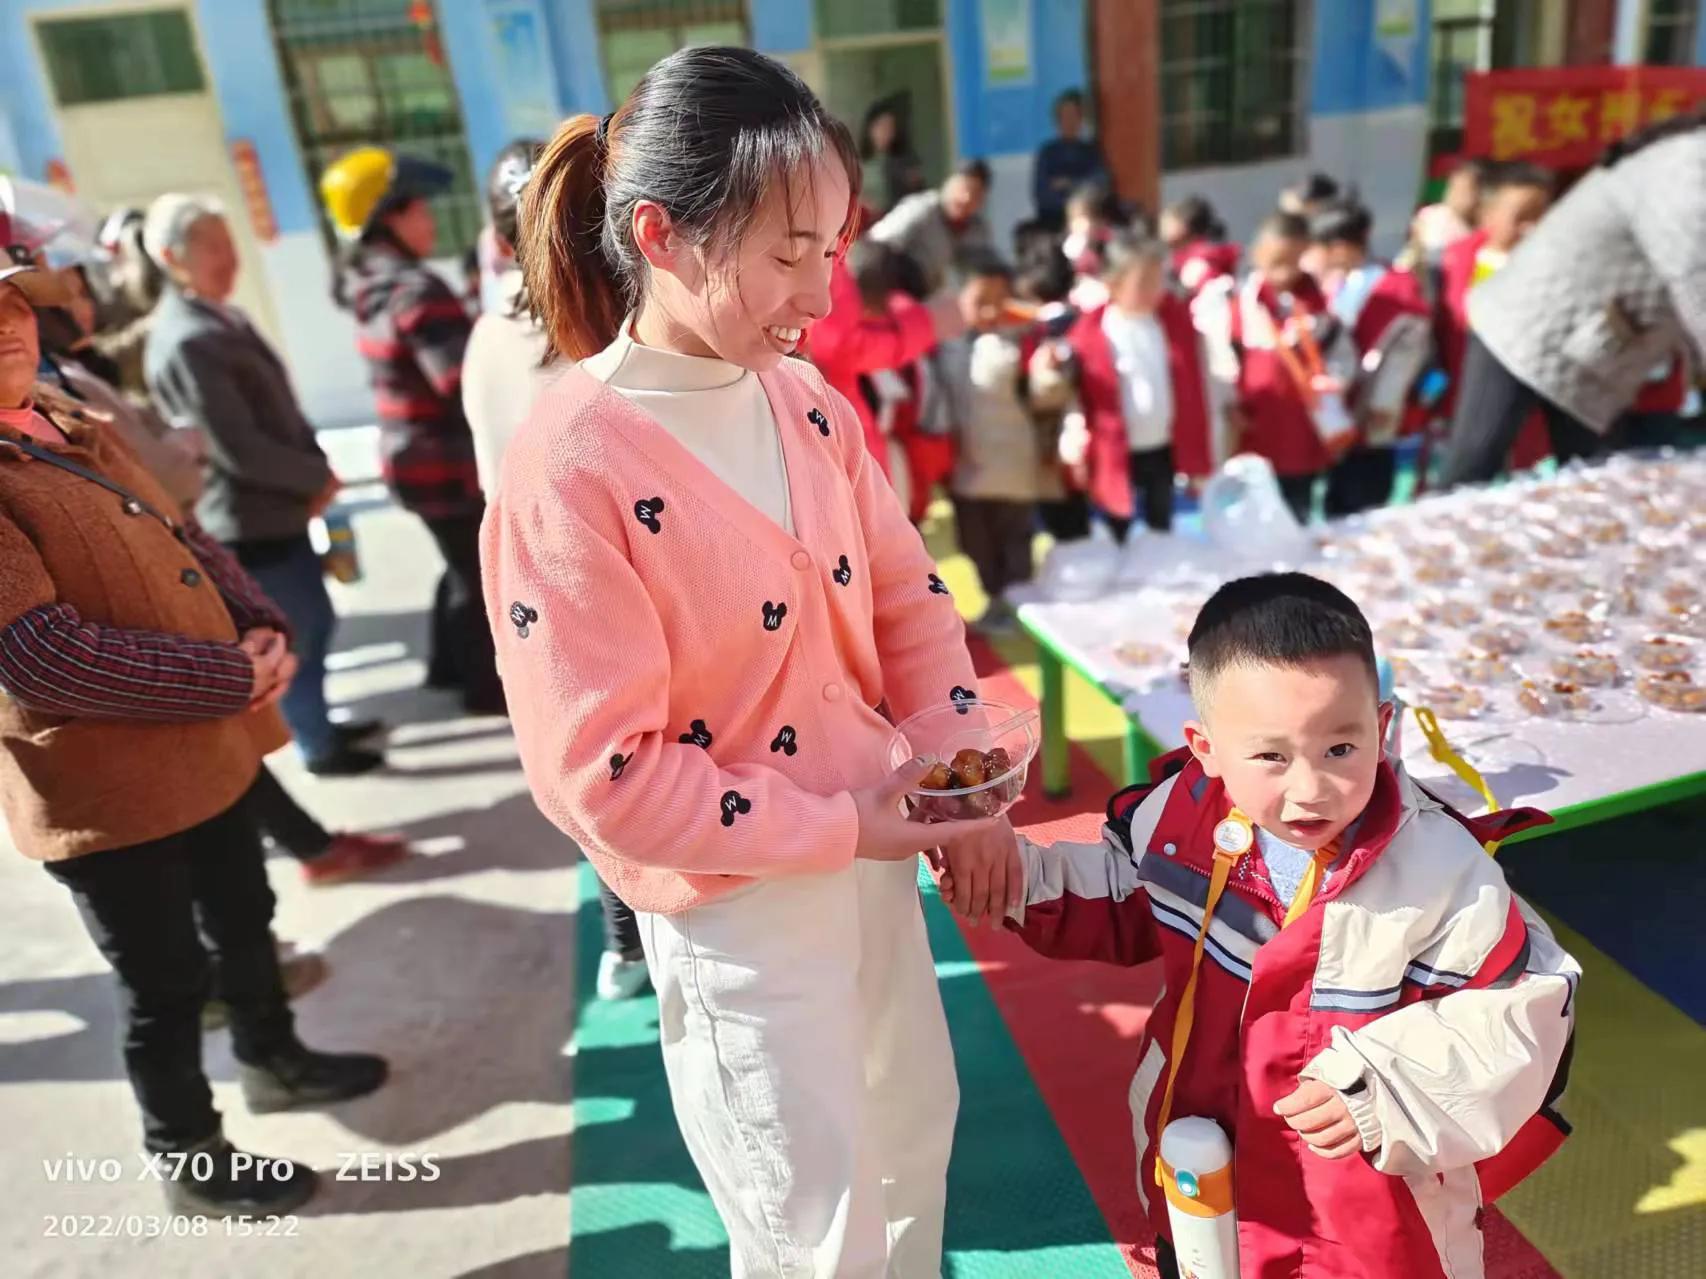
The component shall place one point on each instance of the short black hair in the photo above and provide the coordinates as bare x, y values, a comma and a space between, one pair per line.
1200, 220
1096, 199
981, 264
1314, 189
1342, 222
1045, 275
1286, 226
1071, 97
1276, 619
1518, 173
977, 169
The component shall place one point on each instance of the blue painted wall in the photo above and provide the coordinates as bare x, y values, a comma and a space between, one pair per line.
780, 26
25, 89
1352, 70
237, 43
1003, 119
574, 42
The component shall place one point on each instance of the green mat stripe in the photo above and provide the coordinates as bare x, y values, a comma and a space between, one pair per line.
1017, 1205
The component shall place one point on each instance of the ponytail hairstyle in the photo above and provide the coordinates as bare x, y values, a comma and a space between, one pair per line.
707, 135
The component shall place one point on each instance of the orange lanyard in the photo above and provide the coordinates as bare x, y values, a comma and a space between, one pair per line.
1301, 355
1233, 837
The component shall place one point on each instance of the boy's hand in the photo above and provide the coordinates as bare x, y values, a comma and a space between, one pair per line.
1317, 1113
985, 874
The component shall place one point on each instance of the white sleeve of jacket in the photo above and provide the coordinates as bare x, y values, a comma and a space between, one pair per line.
1449, 1081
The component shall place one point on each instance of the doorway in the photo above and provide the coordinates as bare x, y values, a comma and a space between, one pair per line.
137, 118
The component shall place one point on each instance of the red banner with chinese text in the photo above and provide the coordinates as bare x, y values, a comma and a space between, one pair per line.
1564, 117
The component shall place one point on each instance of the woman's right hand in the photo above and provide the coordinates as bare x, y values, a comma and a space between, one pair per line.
885, 835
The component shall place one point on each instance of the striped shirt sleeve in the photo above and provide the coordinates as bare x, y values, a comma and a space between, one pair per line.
52, 661
435, 327
247, 603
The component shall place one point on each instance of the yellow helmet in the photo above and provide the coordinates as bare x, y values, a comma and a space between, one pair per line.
363, 183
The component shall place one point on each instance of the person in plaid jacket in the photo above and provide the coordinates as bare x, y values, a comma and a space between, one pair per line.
412, 330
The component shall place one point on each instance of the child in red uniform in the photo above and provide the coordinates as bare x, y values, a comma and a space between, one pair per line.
1352, 991
1141, 387
1386, 315
1284, 361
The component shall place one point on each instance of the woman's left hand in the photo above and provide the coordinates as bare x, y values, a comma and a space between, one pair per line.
984, 875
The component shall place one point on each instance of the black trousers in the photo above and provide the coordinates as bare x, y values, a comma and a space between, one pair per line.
160, 912
1492, 403
1151, 472
1299, 494
1361, 480
1065, 519
996, 536
461, 652
621, 930
284, 822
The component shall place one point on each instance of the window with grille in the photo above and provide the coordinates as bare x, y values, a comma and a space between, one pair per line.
634, 34
128, 55
1670, 31
1230, 83
375, 73
1462, 43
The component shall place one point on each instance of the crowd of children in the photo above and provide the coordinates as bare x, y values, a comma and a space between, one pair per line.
1115, 362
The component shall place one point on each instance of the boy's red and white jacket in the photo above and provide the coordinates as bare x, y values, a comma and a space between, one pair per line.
1416, 983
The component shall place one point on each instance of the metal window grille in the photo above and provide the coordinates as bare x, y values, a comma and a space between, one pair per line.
126, 55
1670, 31
375, 72
847, 19
1230, 84
1460, 45
634, 34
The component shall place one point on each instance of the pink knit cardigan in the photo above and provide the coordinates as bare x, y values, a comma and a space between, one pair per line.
693, 690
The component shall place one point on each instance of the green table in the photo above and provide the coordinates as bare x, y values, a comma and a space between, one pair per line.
1685, 745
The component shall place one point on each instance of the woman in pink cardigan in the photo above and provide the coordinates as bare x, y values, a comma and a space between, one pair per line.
708, 606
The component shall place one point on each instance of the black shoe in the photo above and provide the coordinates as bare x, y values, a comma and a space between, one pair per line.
300, 1077
353, 732
235, 1184
346, 761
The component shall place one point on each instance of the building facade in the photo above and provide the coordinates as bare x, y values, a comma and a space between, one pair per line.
249, 99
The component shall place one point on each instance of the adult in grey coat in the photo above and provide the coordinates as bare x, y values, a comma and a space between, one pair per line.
943, 228
266, 473
1611, 284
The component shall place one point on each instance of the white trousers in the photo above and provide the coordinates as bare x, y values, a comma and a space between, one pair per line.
810, 1068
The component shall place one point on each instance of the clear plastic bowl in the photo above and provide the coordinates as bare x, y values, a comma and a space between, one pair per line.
941, 733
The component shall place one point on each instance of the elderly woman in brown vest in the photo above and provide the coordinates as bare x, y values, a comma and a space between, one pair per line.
139, 667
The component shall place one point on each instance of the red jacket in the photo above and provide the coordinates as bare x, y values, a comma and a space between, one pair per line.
1394, 315
1457, 276
847, 342
1416, 984
1279, 421
1104, 407
1201, 261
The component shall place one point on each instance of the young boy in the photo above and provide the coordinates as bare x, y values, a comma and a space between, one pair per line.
1376, 1021
1386, 315
997, 477
1141, 387
1282, 362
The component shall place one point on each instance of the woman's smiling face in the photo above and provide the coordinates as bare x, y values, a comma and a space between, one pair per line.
753, 304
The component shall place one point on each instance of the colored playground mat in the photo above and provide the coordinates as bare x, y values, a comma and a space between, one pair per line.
1040, 1183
